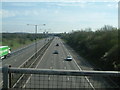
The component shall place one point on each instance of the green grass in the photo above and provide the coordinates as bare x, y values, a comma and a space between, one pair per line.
19, 40
14, 43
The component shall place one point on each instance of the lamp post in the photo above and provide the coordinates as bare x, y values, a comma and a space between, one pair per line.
46, 35
36, 26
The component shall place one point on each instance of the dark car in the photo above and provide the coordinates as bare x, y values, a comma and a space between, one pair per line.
57, 44
55, 52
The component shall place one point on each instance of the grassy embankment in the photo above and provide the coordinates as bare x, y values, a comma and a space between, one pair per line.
18, 40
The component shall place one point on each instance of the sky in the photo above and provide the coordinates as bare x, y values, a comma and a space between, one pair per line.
58, 16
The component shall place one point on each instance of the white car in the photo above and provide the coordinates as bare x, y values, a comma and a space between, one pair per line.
69, 58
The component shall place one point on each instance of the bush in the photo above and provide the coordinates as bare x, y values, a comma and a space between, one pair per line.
101, 46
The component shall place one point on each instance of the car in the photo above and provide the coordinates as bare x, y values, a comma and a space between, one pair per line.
68, 58
57, 44
55, 52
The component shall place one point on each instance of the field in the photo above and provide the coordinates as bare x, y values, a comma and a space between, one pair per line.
18, 40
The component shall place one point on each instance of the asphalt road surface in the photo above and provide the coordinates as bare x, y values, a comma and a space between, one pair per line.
57, 61
19, 56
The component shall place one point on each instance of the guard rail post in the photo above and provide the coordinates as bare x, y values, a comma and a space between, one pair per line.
10, 78
5, 77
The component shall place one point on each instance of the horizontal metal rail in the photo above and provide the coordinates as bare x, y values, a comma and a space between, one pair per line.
32, 71
30, 63
62, 72
32, 59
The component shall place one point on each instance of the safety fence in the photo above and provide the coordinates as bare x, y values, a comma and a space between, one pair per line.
31, 62
38, 79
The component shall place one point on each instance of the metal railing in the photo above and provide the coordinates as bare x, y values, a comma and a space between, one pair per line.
31, 62
47, 78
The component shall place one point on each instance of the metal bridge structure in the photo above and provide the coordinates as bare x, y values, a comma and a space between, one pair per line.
31, 78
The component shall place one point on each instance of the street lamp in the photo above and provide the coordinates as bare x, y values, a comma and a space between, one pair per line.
46, 35
36, 26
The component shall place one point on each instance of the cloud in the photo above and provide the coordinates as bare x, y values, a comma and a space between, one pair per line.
60, 0
58, 14
12, 13
86, 4
6, 13
81, 4
23, 4
63, 17
113, 5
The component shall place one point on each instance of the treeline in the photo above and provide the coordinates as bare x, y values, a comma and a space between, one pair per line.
16, 40
100, 47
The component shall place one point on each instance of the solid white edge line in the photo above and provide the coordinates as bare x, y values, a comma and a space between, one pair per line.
68, 78
49, 78
25, 60
37, 65
79, 67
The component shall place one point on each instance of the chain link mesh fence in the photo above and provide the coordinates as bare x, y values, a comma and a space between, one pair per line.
32, 79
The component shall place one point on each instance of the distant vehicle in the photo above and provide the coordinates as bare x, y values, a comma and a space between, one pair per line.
69, 58
55, 52
4, 51
57, 44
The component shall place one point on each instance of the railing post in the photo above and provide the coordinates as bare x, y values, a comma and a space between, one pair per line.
10, 78
5, 77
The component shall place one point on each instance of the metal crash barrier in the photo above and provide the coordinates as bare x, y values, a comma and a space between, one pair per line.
31, 62
48, 78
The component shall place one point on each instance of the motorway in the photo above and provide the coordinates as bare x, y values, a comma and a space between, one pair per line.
18, 57
56, 61
21, 55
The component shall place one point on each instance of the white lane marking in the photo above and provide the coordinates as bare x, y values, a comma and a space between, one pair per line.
51, 67
49, 78
68, 78
1, 82
77, 64
80, 68
35, 68
33, 54
85, 76
37, 65
25, 60
18, 81
28, 58
15, 60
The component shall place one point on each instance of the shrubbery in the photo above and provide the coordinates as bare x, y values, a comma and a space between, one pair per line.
100, 46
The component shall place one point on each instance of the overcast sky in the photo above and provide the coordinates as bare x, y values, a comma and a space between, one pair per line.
58, 16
